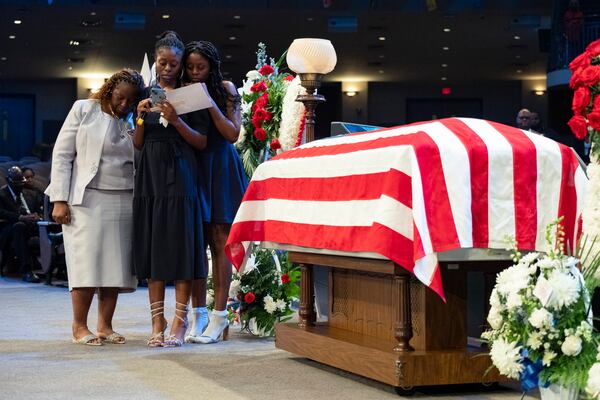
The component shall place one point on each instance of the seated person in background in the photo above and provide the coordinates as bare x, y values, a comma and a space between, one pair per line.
524, 119
34, 186
18, 221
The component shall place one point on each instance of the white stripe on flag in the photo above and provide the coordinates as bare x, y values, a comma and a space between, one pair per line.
425, 268
418, 206
549, 177
501, 196
581, 182
457, 174
345, 164
385, 211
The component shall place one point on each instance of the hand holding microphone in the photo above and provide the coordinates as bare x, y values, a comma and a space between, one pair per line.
142, 109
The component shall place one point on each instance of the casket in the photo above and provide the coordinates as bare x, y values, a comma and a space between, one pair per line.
400, 216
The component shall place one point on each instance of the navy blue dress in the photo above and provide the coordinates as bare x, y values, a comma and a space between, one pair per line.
223, 180
167, 212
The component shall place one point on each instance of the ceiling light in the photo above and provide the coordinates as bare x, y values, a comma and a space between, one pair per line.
166, 16
12, 37
446, 29
538, 92
18, 22
93, 13
237, 16
3, 58
517, 37
381, 38
232, 38
517, 56
519, 71
446, 48
444, 65
351, 93
381, 56
69, 68
228, 56
381, 71
310, 19
73, 43
444, 78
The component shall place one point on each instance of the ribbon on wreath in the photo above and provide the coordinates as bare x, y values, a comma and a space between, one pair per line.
530, 375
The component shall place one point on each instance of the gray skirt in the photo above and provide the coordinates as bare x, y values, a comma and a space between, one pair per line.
98, 241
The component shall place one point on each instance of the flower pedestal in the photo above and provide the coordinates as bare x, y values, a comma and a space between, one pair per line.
558, 392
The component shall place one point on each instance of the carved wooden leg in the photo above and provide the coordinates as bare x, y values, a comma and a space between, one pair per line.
404, 331
307, 297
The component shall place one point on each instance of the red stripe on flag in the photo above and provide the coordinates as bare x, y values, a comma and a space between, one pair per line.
478, 162
392, 183
440, 219
376, 238
344, 148
567, 204
524, 184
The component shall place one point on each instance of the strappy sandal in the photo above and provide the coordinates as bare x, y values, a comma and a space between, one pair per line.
88, 340
157, 339
172, 340
113, 338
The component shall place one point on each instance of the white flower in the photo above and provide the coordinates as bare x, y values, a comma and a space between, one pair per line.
234, 288
281, 304
565, 289
593, 383
540, 318
511, 280
529, 258
548, 263
534, 341
513, 301
549, 355
571, 346
250, 264
253, 75
494, 318
495, 300
507, 358
270, 305
292, 112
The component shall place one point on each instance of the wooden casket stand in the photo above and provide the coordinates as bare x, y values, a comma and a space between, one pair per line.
385, 325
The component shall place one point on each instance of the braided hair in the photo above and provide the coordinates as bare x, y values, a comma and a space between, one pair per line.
215, 77
125, 75
170, 39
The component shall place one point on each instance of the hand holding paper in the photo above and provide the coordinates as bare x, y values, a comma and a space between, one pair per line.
189, 98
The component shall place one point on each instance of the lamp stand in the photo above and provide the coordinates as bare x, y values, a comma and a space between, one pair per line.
311, 82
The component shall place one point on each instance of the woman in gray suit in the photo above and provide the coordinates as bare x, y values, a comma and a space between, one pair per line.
91, 188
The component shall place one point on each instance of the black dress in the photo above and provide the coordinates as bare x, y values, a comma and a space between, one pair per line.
168, 241
223, 181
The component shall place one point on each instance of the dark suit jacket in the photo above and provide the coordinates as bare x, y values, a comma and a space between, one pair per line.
11, 209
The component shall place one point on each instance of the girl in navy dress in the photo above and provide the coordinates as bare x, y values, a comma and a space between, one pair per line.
222, 186
167, 216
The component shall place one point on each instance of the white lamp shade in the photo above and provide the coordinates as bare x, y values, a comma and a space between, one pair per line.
309, 55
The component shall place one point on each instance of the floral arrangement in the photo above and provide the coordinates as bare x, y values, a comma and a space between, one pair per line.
540, 318
585, 81
272, 120
264, 294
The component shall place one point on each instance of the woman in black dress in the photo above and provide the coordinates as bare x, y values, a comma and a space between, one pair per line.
168, 238
222, 185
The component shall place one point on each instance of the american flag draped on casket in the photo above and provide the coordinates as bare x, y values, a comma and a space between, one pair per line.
412, 191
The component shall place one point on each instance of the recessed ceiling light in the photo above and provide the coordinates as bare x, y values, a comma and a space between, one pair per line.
18, 22
446, 29
310, 19
381, 71
444, 78
73, 43
444, 65
228, 56
381, 38
237, 16
382, 56
232, 38
517, 37
3, 58
12, 37
517, 56
166, 16
93, 13
446, 48
519, 71
69, 68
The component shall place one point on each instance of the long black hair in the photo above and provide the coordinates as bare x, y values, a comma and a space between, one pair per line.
215, 77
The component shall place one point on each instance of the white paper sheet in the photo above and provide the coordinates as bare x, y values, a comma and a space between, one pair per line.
189, 98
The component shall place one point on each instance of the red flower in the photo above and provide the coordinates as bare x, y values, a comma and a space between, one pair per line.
593, 48
590, 75
288, 78
249, 297
581, 99
261, 102
275, 144
256, 121
262, 115
581, 61
285, 278
594, 120
260, 134
578, 126
259, 87
266, 70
